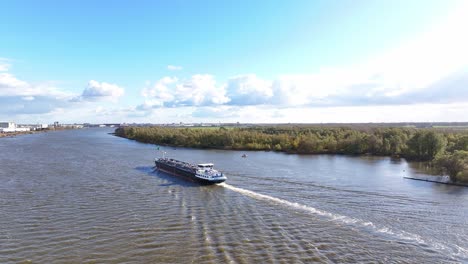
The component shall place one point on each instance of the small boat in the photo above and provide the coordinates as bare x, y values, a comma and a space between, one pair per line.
244, 156
203, 173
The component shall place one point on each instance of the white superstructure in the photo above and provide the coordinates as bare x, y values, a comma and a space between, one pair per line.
205, 171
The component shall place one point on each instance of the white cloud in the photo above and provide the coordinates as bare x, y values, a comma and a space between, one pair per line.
436, 62
11, 86
346, 87
248, 90
200, 89
101, 90
424, 79
19, 97
22, 101
431, 68
174, 68
4, 67
160, 93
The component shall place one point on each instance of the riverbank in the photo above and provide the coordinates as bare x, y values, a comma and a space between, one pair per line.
437, 179
447, 151
14, 134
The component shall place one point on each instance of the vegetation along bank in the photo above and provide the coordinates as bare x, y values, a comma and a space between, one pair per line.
445, 150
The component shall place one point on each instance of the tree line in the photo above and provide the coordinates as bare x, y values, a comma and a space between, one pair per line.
447, 151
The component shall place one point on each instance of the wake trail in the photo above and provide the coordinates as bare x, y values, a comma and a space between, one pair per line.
459, 251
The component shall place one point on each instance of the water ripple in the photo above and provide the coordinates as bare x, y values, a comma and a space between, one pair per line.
93, 198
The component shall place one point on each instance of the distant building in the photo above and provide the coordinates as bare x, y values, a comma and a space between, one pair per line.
35, 127
22, 129
7, 127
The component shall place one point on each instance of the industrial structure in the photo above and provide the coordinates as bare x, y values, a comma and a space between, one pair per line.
6, 127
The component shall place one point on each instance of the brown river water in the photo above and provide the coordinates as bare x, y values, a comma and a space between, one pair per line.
84, 196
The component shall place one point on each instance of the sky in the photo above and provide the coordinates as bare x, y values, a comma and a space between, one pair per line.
300, 61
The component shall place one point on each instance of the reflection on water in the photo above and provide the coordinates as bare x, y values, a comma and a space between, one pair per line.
423, 168
86, 196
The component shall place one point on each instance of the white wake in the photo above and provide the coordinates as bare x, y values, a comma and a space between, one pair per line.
463, 252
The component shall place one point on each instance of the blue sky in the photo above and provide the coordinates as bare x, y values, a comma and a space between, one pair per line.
228, 61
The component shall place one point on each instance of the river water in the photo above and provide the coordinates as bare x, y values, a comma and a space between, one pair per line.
84, 196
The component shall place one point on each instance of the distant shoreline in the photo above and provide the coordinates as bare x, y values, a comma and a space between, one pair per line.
15, 134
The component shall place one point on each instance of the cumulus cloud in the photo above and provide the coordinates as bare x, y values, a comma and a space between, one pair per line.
248, 90
424, 79
373, 89
162, 92
200, 89
345, 87
100, 90
358, 86
413, 82
432, 68
20, 97
23, 101
10, 85
174, 68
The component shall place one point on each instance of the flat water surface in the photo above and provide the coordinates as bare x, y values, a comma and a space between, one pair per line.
84, 196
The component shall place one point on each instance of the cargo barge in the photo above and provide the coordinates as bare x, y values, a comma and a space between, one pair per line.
203, 173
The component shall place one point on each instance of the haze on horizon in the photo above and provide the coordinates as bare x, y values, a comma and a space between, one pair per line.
242, 61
